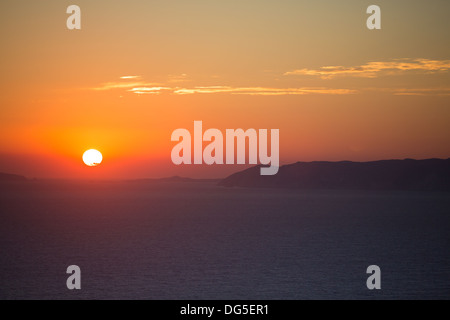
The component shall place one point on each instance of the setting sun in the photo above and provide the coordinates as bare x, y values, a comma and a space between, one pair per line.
92, 158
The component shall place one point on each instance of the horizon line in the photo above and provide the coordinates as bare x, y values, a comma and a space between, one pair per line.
204, 179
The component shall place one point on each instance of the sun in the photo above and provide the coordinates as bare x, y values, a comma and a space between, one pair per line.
92, 158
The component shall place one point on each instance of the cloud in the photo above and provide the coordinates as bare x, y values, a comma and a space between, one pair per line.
144, 88
375, 68
148, 90
262, 91
421, 91
176, 78
130, 77
436, 91
125, 84
119, 85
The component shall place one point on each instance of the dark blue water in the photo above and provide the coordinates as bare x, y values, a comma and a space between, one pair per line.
157, 240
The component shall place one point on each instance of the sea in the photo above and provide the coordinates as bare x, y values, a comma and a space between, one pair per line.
158, 240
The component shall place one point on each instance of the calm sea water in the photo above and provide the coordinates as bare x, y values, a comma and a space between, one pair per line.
154, 240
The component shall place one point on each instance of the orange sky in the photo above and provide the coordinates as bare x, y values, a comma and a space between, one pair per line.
336, 90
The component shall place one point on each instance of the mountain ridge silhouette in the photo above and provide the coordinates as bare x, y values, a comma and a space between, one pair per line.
407, 174
11, 177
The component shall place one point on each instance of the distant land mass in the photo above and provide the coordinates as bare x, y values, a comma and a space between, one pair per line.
408, 174
11, 177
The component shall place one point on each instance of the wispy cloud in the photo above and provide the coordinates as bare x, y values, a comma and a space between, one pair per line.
142, 88
148, 90
130, 77
176, 78
436, 91
124, 83
375, 68
119, 85
262, 91
421, 91
129, 84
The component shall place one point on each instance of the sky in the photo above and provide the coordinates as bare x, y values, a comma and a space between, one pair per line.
138, 70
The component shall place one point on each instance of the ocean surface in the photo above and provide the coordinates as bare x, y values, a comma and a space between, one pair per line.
168, 240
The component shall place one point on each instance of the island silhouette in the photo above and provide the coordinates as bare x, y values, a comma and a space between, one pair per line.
408, 174
11, 177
